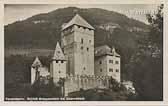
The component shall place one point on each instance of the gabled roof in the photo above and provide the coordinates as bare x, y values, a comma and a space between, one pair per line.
78, 20
114, 52
105, 50
101, 50
37, 62
58, 54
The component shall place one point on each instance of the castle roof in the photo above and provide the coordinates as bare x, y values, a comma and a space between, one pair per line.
37, 62
105, 50
114, 52
58, 54
78, 20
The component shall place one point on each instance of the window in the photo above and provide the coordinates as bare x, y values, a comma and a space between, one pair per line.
87, 49
116, 62
101, 70
62, 61
82, 47
56, 61
90, 41
84, 68
59, 72
100, 62
110, 61
59, 52
117, 70
82, 40
110, 70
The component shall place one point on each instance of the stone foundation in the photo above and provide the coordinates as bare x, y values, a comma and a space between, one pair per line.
75, 83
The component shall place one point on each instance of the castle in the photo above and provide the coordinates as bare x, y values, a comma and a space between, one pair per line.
77, 61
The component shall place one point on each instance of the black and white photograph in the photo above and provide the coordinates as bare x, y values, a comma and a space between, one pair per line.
83, 52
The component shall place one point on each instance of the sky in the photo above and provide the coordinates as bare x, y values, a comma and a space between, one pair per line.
16, 12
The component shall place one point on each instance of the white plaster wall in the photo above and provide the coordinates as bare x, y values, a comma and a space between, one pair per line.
114, 66
33, 75
56, 68
105, 66
79, 58
102, 66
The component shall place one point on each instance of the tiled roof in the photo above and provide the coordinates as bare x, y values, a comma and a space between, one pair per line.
78, 20
105, 50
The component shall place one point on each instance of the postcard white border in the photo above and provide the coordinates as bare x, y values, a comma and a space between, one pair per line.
80, 103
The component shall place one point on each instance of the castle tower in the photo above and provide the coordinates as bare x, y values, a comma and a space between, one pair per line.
35, 68
78, 45
58, 65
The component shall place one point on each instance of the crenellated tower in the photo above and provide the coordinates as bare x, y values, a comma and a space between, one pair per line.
78, 45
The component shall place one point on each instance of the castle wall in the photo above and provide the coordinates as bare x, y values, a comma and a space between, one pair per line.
75, 83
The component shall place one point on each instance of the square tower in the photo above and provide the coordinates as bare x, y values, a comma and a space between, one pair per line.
78, 45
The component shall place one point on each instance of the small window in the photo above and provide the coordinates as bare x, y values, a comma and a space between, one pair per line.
110, 61
84, 68
62, 61
110, 70
87, 49
116, 62
90, 41
82, 47
82, 40
101, 70
56, 61
100, 62
117, 70
59, 72
59, 52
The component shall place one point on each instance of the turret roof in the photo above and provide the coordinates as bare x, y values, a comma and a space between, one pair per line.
37, 62
58, 54
78, 20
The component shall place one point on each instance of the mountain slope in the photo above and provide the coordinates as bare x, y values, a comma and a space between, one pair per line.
43, 30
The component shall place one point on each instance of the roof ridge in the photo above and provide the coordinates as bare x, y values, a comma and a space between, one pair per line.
78, 20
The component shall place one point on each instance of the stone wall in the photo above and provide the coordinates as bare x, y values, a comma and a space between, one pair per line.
75, 83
